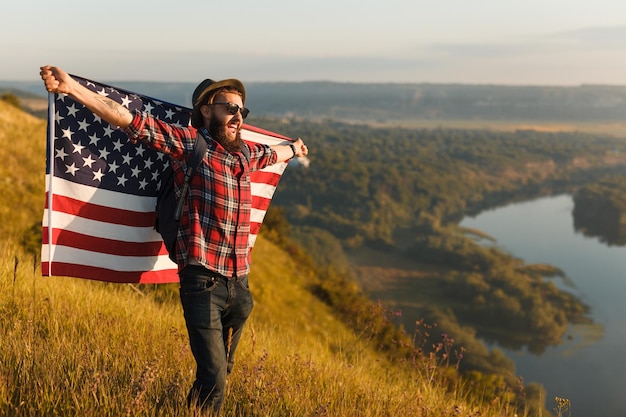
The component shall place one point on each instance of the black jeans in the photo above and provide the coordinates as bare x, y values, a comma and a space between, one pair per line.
216, 309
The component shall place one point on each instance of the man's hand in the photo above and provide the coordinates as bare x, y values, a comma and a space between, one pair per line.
286, 151
56, 80
301, 149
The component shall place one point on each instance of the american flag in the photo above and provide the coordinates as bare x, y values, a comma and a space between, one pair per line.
98, 221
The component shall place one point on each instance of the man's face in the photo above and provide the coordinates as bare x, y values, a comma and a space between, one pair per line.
225, 127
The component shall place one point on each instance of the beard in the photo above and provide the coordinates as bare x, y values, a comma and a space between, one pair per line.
217, 130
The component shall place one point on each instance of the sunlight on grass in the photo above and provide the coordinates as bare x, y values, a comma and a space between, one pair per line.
77, 347
72, 347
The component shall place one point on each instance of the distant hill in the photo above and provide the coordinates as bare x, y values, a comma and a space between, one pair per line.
386, 103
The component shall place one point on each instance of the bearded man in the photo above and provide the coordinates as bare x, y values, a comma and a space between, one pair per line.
212, 250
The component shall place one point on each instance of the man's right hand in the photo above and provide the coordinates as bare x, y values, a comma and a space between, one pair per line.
56, 80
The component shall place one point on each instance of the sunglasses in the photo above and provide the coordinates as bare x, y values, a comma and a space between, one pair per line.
232, 108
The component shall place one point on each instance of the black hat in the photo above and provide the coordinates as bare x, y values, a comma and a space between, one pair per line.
204, 88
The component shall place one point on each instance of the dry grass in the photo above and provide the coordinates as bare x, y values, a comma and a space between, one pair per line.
74, 347
71, 347
23, 156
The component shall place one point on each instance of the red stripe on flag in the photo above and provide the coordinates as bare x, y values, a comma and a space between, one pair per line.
255, 227
107, 246
261, 203
264, 177
103, 274
101, 213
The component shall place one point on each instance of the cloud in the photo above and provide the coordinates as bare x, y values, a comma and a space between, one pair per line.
586, 55
603, 37
582, 40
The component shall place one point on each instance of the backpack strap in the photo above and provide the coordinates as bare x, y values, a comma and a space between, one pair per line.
199, 150
246, 152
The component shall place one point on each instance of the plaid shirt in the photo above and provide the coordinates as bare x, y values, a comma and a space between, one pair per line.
215, 226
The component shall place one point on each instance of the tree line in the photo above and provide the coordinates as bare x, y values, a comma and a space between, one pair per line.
404, 191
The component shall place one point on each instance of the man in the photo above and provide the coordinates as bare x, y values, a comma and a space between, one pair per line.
212, 250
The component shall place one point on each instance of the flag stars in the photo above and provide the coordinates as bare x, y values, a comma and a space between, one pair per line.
78, 148
83, 125
108, 131
127, 159
113, 167
71, 111
67, 133
60, 153
88, 161
121, 181
104, 154
126, 101
71, 169
117, 146
95, 153
97, 175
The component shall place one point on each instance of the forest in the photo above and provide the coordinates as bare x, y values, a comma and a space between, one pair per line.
404, 191
600, 209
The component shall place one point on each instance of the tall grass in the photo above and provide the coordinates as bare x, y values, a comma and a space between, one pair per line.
73, 347
23, 156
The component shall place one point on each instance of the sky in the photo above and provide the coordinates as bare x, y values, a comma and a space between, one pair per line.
530, 42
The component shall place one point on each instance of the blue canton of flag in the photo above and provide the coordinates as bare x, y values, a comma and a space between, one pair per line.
89, 151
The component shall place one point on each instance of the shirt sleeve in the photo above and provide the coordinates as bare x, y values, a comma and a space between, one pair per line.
261, 156
163, 137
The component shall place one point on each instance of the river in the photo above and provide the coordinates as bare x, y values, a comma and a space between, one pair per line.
587, 367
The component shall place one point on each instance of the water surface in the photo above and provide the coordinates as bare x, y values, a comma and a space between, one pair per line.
588, 368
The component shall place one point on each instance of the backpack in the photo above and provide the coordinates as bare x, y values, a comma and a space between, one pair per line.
168, 207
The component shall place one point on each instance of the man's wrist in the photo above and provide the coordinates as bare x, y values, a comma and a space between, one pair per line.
293, 149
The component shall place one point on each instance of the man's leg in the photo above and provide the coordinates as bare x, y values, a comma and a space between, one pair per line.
203, 297
237, 311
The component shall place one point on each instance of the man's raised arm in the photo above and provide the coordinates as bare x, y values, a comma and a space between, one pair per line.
58, 81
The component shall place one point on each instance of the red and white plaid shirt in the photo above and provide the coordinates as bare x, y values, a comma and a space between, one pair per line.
215, 227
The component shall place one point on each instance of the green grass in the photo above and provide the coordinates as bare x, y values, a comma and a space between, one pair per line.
72, 347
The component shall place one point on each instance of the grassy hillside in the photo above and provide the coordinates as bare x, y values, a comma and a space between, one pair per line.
23, 156
77, 347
